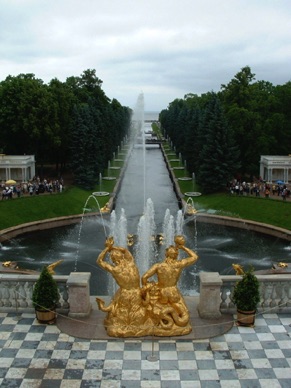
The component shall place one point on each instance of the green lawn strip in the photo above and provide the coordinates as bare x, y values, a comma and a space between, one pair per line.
186, 186
181, 173
269, 211
171, 154
266, 210
156, 130
43, 206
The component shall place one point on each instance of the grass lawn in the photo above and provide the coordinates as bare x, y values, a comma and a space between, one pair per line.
269, 211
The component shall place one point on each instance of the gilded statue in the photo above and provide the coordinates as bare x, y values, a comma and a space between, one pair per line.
169, 310
156, 308
125, 314
238, 269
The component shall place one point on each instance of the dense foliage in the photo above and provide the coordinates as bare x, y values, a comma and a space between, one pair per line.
45, 293
222, 135
246, 294
70, 123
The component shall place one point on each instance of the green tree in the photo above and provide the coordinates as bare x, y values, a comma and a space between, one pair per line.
191, 148
237, 100
26, 113
64, 101
219, 156
281, 119
83, 148
46, 120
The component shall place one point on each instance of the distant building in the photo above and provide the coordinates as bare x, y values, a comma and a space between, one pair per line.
20, 168
275, 168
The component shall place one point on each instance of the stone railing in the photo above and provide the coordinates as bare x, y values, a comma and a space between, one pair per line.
216, 291
215, 294
16, 293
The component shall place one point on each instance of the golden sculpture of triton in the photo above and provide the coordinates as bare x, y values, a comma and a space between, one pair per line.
156, 308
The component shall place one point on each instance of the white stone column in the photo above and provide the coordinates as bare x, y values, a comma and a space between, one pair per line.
79, 294
262, 169
270, 175
210, 299
286, 175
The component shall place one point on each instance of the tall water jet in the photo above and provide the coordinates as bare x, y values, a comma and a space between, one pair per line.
190, 211
122, 229
118, 228
113, 230
179, 223
138, 117
138, 113
146, 232
168, 229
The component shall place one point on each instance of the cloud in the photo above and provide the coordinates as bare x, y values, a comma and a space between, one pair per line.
164, 48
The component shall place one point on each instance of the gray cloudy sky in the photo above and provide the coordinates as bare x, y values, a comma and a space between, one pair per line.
163, 48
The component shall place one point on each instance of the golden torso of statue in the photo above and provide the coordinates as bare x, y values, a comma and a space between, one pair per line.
168, 273
126, 276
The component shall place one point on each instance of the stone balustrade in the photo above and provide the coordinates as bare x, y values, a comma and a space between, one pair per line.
275, 292
16, 293
215, 294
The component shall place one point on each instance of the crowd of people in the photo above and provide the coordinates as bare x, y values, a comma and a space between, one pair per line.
260, 188
34, 187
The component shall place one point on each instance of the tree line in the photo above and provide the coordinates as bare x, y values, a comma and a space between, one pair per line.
71, 124
222, 135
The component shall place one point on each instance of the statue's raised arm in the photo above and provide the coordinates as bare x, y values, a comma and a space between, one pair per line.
193, 257
100, 260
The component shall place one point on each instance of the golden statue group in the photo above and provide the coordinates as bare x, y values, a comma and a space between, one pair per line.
155, 308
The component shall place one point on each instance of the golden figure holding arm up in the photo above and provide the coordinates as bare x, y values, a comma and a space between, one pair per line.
126, 313
169, 305
123, 267
170, 269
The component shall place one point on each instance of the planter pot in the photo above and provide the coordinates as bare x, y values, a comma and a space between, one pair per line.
46, 316
246, 318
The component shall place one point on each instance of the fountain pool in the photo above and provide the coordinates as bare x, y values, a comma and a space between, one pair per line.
218, 248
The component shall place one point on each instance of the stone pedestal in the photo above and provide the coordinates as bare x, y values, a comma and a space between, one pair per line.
79, 294
210, 299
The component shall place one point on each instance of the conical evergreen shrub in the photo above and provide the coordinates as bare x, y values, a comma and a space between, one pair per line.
45, 292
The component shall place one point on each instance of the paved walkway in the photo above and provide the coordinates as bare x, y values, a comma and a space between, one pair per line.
36, 355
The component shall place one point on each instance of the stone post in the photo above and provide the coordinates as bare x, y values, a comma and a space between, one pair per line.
79, 294
210, 299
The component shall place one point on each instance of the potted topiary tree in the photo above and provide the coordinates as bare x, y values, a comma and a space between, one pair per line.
246, 297
45, 297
